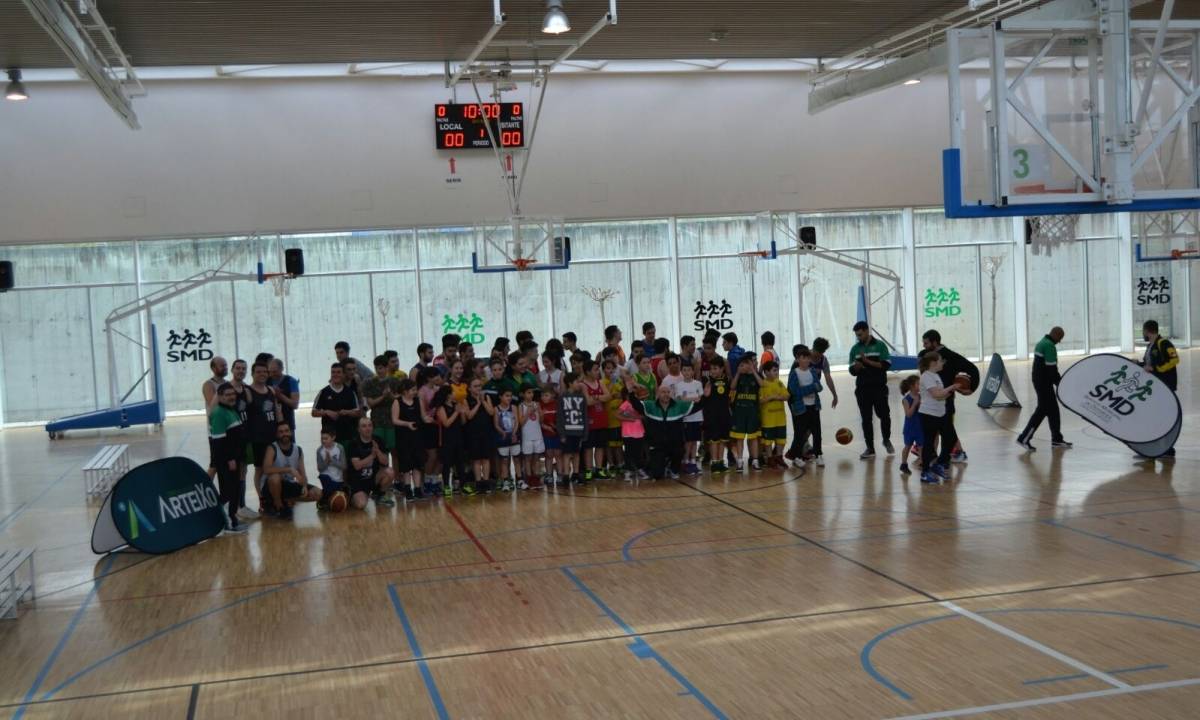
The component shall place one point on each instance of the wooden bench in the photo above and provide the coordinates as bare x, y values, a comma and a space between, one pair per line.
105, 467
16, 580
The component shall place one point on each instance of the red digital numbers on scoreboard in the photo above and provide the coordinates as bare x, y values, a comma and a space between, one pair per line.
476, 125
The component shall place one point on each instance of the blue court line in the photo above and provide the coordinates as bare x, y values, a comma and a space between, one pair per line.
292, 583
1122, 543
1138, 512
642, 649
62, 641
869, 667
1084, 676
426, 675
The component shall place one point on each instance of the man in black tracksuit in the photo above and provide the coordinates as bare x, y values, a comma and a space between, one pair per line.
953, 365
1045, 380
663, 420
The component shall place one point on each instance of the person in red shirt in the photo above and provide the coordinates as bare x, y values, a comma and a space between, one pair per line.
598, 434
549, 408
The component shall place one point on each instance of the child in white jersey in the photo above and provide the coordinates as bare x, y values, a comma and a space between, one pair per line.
690, 389
533, 445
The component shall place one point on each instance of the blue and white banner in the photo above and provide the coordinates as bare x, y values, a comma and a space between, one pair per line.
1125, 401
995, 382
160, 507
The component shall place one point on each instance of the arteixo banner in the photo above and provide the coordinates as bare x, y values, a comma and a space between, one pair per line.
159, 507
1125, 401
995, 382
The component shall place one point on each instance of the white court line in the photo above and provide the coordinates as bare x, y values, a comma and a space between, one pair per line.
961, 712
1078, 665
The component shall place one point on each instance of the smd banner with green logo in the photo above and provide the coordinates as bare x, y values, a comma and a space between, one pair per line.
1125, 401
159, 507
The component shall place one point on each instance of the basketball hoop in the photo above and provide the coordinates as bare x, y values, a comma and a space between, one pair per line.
524, 266
750, 260
282, 284
1050, 231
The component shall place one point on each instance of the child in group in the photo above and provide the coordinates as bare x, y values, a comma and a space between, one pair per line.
690, 390
913, 437
936, 428
551, 374
613, 383
509, 445
634, 436
804, 387
645, 377
331, 467
572, 425
663, 423
717, 414
768, 350
746, 414
773, 398
430, 380
549, 420
406, 419
596, 443
451, 414
480, 438
533, 445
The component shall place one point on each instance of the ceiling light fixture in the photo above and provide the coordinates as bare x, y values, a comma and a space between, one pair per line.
16, 88
555, 22
913, 81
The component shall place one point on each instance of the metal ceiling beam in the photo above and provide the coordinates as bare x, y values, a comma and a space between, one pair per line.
934, 59
609, 18
497, 24
68, 32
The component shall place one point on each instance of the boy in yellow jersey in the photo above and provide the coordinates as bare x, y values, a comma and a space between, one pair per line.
613, 384
772, 399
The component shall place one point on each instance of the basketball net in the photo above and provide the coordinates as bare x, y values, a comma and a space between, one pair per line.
750, 260
282, 285
524, 266
1050, 231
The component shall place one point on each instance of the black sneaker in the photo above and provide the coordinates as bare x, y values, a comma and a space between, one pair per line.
284, 514
1060, 443
418, 493
1025, 443
904, 469
409, 495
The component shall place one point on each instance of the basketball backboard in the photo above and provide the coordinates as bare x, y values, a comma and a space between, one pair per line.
1073, 116
521, 243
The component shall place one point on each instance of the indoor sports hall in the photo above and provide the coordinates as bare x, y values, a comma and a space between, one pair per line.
599, 359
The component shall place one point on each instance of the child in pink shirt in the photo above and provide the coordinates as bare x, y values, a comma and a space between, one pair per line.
634, 435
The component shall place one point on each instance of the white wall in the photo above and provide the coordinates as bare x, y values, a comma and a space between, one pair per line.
234, 156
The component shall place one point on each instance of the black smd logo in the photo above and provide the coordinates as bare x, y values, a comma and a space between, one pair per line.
1154, 290
189, 345
712, 316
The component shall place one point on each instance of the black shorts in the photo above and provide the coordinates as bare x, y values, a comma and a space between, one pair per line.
598, 438
480, 445
693, 431
291, 490
571, 444
430, 438
260, 451
409, 457
717, 430
359, 484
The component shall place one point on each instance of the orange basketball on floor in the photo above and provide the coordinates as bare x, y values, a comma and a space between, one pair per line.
338, 502
843, 436
962, 383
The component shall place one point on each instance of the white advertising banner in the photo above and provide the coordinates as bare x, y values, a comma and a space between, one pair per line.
1124, 400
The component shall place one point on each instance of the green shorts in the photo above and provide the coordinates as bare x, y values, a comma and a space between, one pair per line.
776, 435
386, 437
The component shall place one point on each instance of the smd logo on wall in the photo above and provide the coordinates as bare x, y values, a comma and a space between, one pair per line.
1124, 400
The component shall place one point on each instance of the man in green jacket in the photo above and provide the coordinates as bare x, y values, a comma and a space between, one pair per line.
1045, 381
869, 363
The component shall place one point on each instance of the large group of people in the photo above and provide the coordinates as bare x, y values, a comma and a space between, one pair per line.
531, 415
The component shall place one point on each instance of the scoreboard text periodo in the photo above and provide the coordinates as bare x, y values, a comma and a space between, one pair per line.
462, 126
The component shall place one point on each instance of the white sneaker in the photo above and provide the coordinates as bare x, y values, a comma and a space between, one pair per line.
642, 475
247, 514
820, 461
238, 529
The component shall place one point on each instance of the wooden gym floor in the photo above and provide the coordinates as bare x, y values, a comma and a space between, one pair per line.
1057, 584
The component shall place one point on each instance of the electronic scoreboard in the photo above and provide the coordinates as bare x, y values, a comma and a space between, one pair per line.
466, 125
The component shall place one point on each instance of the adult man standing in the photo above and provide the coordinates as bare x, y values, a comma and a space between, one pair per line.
1045, 382
393, 359
612, 339
953, 365
449, 353
869, 363
649, 334
1161, 359
338, 407
424, 360
287, 391
220, 368
287, 481
342, 351
378, 393
570, 343
263, 419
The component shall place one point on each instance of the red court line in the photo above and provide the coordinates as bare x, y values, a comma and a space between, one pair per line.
425, 568
470, 535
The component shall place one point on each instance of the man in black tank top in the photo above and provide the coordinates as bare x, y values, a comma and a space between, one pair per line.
245, 452
262, 420
208, 390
